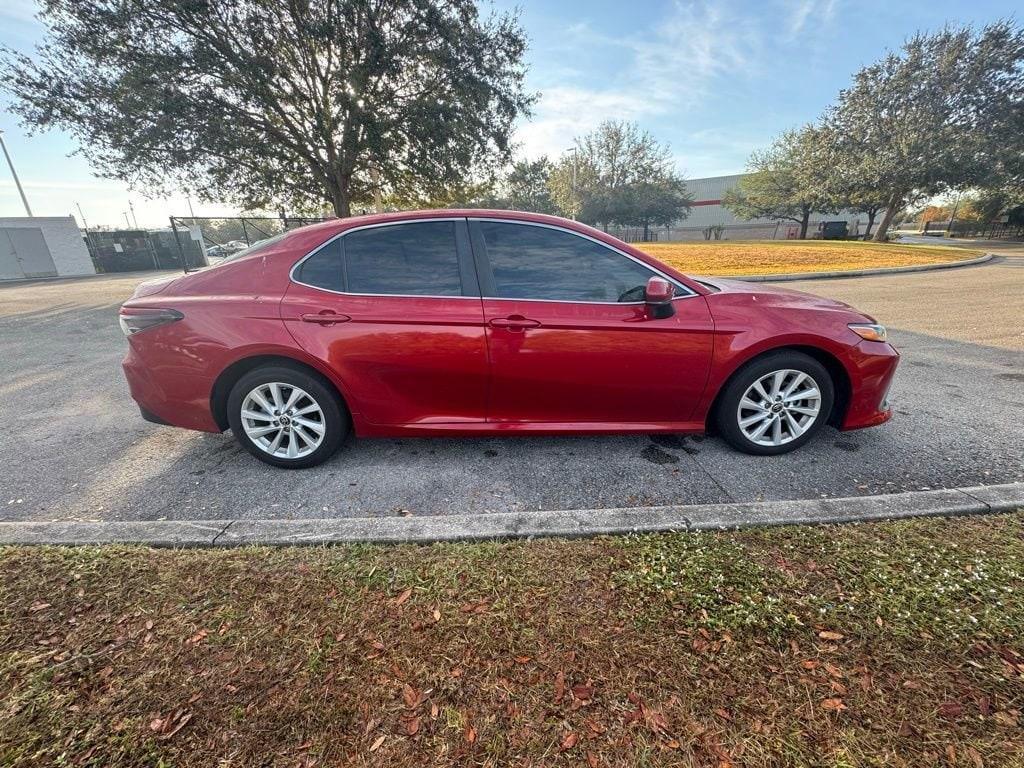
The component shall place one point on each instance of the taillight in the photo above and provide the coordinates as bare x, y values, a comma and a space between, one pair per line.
136, 319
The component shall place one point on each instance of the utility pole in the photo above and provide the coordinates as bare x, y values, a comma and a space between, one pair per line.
17, 181
127, 222
85, 224
132, 209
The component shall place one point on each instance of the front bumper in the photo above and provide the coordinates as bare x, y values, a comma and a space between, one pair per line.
872, 366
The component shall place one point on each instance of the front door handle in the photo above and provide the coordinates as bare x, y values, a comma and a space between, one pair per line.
325, 317
514, 323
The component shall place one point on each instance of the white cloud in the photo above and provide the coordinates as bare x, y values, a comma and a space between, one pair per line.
665, 68
800, 12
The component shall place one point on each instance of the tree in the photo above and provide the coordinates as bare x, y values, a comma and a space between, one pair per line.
650, 203
942, 114
524, 187
618, 174
785, 182
265, 103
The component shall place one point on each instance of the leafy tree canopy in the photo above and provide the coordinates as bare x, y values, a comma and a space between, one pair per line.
945, 112
785, 182
265, 103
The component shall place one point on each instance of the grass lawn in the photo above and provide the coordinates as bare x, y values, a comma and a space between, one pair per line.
873, 645
767, 257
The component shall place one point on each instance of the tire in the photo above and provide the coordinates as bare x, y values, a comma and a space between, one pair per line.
743, 410
251, 414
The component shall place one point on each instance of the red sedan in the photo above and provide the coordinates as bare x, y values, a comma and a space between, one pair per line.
490, 323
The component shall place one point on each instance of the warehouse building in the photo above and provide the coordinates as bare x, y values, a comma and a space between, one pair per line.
42, 246
710, 220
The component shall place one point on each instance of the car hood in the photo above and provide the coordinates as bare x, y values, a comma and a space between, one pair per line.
765, 295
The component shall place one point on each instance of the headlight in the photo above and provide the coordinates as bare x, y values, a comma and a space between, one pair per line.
869, 331
133, 320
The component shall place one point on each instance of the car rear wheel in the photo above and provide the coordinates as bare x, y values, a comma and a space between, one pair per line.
286, 417
775, 404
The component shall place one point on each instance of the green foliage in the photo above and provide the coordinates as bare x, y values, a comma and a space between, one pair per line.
267, 103
786, 181
943, 113
619, 174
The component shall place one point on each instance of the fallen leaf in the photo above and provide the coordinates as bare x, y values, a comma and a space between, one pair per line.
411, 696
559, 686
376, 744
569, 741
829, 635
723, 714
37, 606
950, 710
833, 705
582, 692
975, 757
592, 760
436, 614
470, 733
412, 726
405, 595
1008, 717
523, 659
197, 638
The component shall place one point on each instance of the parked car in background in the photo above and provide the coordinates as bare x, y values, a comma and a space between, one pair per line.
490, 323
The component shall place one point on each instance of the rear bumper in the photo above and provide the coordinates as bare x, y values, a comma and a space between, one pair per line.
872, 367
166, 397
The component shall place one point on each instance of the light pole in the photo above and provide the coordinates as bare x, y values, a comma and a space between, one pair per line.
17, 181
85, 224
575, 157
132, 209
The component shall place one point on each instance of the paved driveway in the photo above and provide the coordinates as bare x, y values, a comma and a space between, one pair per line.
74, 447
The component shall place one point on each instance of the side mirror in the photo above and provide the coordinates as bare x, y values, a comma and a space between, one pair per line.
658, 295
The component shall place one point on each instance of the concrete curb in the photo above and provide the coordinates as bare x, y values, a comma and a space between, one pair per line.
509, 525
783, 278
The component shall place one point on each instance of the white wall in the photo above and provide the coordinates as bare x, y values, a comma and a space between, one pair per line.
63, 238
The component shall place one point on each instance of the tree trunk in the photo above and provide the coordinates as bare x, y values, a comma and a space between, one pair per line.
871, 222
890, 211
341, 200
646, 232
804, 222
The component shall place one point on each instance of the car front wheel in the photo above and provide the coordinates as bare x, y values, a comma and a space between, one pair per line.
775, 404
286, 417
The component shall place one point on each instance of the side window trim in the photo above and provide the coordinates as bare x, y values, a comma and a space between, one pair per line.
487, 284
468, 274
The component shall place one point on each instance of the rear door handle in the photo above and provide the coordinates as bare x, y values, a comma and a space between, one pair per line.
325, 317
514, 323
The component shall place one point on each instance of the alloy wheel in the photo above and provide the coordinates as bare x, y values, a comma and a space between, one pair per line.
779, 407
283, 420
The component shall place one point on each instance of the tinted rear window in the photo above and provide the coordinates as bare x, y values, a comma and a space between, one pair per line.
414, 259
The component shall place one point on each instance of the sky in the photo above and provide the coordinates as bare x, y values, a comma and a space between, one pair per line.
712, 80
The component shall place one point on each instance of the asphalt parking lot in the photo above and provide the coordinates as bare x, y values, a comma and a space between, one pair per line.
75, 448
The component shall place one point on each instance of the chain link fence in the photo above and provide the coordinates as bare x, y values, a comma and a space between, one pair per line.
206, 240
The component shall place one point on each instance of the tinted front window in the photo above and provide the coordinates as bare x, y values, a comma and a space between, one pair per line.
416, 259
531, 262
323, 268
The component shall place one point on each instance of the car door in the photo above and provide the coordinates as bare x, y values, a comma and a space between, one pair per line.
395, 310
570, 337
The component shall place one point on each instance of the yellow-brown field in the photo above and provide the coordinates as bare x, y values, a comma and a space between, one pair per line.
766, 257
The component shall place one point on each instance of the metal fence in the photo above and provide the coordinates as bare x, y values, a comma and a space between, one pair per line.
213, 238
131, 250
